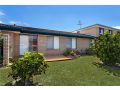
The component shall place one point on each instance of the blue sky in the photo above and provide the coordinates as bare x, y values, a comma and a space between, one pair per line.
64, 18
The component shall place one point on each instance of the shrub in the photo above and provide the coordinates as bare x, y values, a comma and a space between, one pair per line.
77, 52
26, 67
69, 52
107, 48
89, 51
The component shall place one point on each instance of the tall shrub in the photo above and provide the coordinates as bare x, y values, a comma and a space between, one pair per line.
107, 48
26, 67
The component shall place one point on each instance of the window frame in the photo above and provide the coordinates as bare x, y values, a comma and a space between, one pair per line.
100, 31
69, 43
111, 32
52, 42
31, 45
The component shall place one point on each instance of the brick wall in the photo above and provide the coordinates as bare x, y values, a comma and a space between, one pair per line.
90, 31
16, 44
95, 31
83, 44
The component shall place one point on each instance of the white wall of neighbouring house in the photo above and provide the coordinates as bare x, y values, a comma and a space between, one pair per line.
73, 43
56, 42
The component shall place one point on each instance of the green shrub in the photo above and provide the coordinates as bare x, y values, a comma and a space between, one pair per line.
107, 48
26, 67
89, 51
69, 52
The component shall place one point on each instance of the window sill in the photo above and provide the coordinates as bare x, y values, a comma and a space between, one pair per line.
52, 49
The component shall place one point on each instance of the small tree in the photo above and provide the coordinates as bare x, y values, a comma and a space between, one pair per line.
26, 67
107, 48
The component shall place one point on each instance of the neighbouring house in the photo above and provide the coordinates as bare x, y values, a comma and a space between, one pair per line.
96, 30
19, 39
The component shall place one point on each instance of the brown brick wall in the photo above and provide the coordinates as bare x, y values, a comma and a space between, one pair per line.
16, 49
83, 44
95, 31
14, 42
5, 49
90, 31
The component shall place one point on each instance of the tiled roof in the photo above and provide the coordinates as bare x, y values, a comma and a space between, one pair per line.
32, 30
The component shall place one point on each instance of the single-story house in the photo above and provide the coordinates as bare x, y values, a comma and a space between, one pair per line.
19, 39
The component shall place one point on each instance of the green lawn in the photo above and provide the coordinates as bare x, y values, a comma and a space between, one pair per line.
80, 71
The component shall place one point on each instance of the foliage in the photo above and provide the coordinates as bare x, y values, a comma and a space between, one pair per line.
107, 48
27, 66
89, 51
69, 52
76, 72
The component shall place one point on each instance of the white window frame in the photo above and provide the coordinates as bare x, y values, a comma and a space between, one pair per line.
110, 31
101, 31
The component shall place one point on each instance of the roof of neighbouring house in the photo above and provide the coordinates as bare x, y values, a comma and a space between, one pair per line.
31, 30
99, 25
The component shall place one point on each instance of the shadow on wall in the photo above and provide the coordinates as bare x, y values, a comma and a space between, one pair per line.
114, 70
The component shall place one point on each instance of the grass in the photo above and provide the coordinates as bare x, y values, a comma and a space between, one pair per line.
80, 71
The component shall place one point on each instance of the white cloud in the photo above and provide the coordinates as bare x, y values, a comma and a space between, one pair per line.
13, 22
1, 13
117, 27
1, 21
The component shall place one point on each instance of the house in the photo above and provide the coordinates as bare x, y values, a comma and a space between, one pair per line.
19, 39
96, 30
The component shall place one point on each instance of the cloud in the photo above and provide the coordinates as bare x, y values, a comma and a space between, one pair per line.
1, 13
13, 22
117, 27
1, 21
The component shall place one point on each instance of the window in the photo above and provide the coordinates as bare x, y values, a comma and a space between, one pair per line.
33, 43
73, 43
110, 31
101, 31
53, 42
69, 43
50, 42
56, 42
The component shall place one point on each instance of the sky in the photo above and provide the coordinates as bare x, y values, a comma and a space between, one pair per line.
63, 18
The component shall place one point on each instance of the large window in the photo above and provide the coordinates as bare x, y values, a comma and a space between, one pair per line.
53, 42
50, 42
33, 43
71, 43
101, 31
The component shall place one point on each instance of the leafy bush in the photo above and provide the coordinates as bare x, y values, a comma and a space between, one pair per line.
26, 67
107, 48
69, 52
77, 52
89, 51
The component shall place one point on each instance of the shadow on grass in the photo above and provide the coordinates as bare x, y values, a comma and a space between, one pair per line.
115, 70
19, 83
